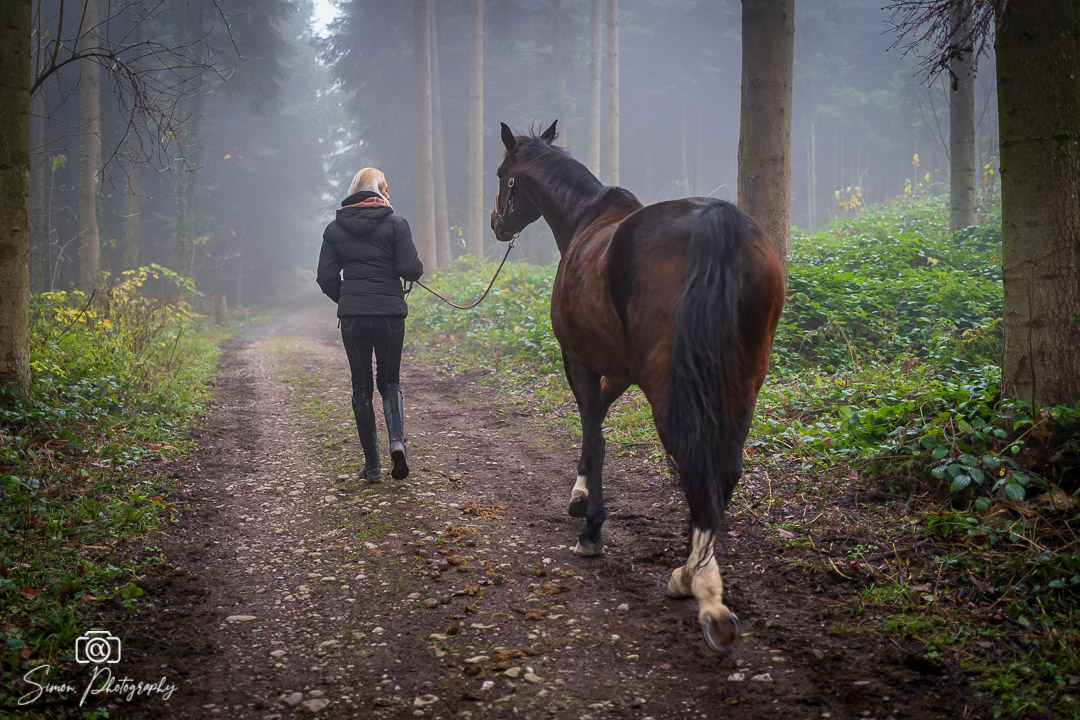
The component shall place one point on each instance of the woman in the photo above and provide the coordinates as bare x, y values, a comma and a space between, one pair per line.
371, 246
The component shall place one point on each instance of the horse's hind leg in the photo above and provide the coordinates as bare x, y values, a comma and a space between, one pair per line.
700, 577
610, 391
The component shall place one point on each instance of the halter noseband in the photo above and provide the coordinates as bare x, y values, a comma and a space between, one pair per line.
509, 207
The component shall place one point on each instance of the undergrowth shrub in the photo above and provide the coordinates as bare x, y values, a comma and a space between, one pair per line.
887, 355
510, 329
889, 284
115, 381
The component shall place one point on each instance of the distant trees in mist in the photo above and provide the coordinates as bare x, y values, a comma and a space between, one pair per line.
183, 136
860, 112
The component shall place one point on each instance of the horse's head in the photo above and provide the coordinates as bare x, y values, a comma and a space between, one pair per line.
513, 208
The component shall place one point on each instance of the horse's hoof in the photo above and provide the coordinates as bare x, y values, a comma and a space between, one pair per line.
722, 635
588, 549
578, 506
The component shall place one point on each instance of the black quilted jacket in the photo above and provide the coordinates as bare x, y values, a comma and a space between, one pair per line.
366, 252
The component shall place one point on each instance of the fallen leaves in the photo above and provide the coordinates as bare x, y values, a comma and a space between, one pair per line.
487, 512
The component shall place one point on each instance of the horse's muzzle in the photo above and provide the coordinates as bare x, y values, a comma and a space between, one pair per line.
500, 234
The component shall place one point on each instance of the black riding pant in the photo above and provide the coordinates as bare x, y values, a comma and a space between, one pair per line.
379, 334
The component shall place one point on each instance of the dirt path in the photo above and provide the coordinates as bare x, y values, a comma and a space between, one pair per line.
290, 588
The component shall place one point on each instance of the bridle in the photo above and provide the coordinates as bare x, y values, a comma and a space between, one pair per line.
505, 210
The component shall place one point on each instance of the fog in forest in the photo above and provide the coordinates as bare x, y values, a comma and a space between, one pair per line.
238, 196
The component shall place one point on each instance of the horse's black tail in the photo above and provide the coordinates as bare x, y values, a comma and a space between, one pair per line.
711, 396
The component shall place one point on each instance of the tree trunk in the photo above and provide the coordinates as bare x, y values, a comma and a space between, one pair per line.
1038, 61
188, 267
612, 92
592, 122
700, 150
425, 187
129, 253
650, 159
684, 160
90, 165
240, 262
221, 310
560, 71
768, 32
39, 236
477, 226
962, 128
812, 180
442, 217
187, 192
14, 192
129, 256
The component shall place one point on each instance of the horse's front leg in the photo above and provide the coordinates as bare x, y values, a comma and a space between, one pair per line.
586, 385
610, 391
700, 577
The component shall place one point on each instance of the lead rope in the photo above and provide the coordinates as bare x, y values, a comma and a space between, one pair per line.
509, 247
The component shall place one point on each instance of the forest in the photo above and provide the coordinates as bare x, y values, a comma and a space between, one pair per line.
167, 170
278, 120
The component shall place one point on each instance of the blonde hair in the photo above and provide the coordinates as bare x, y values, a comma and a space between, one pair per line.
368, 179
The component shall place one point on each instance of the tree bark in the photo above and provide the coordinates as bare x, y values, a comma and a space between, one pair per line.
962, 201
14, 192
1038, 62
90, 165
592, 122
477, 226
768, 33
425, 187
612, 92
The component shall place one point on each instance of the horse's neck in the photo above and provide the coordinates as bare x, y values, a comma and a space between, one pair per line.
612, 205
570, 208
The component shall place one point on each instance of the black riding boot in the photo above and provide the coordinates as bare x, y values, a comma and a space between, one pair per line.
395, 418
369, 437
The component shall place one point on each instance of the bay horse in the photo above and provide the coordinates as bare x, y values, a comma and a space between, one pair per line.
680, 298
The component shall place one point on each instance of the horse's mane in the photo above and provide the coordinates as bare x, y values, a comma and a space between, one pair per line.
554, 167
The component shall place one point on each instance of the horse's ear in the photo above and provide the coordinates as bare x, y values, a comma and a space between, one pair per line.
508, 139
549, 135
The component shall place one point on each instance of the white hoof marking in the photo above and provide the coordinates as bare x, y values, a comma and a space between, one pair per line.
578, 550
580, 491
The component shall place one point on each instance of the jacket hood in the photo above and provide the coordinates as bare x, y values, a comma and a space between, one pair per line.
361, 220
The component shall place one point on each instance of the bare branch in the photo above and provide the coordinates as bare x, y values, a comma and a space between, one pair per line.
153, 77
927, 29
